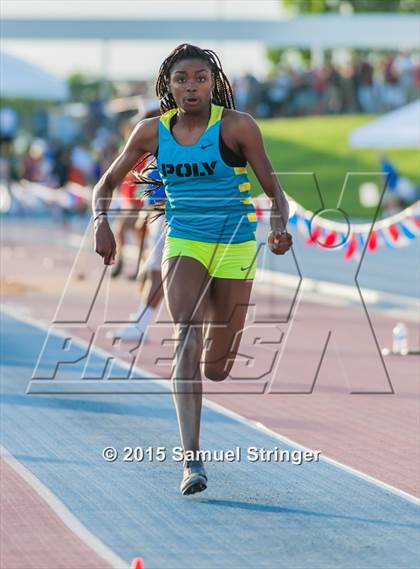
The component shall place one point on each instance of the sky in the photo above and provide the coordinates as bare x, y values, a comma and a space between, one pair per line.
134, 59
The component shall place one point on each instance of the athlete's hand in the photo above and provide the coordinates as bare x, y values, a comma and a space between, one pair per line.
105, 244
279, 242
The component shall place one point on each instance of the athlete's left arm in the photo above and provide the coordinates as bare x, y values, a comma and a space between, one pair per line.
251, 143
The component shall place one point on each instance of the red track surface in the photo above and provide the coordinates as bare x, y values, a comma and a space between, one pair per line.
33, 536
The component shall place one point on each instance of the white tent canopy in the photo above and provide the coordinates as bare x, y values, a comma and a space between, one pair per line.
22, 79
397, 129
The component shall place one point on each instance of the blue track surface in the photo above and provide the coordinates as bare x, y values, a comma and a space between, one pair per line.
265, 515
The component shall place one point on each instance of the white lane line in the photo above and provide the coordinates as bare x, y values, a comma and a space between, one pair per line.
260, 427
211, 405
325, 290
57, 506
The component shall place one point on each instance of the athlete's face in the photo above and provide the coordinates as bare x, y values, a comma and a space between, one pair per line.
191, 84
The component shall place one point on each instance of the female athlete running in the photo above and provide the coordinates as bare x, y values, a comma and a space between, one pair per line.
202, 146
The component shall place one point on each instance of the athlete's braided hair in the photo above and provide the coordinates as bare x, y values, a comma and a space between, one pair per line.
147, 184
222, 92
221, 95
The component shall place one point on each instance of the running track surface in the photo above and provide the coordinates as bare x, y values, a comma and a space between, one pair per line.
253, 515
388, 270
376, 434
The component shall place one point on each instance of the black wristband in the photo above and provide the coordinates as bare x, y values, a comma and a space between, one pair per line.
99, 215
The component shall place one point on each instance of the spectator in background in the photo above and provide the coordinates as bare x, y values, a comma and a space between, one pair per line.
391, 202
392, 92
8, 124
349, 102
253, 88
364, 85
81, 165
404, 68
61, 167
37, 166
320, 83
400, 192
8, 130
104, 151
333, 90
241, 89
415, 91
279, 93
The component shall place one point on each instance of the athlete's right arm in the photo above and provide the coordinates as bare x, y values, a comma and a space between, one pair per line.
143, 139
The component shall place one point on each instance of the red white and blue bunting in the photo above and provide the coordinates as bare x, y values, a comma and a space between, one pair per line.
397, 230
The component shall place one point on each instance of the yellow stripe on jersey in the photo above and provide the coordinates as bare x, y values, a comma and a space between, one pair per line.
239, 170
244, 187
252, 216
165, 119
215, 115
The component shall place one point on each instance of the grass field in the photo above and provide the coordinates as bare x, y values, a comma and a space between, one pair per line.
319, 145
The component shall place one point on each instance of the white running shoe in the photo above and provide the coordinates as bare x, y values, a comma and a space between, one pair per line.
128, 334
134, 316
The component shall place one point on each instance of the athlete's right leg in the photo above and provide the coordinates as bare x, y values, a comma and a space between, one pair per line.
184, 281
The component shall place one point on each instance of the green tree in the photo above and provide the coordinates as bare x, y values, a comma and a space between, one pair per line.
84, 89
321, 6
278, 55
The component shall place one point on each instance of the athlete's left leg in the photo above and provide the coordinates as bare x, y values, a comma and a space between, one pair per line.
224, 321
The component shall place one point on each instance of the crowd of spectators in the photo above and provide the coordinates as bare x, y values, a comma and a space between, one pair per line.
53, 164
358, 86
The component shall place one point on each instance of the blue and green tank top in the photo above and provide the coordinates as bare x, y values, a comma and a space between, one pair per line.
207, 200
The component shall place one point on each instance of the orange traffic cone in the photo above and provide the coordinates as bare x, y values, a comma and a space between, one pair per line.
137, 563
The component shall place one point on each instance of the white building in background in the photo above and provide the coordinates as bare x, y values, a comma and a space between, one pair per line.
119, 47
